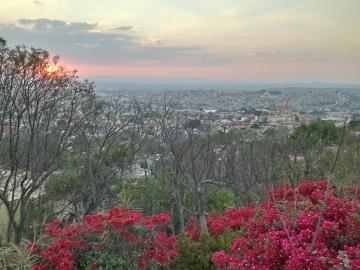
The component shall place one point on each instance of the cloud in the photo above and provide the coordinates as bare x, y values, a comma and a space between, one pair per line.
86, 43
90, 44
40, 25
36, 2
123, 28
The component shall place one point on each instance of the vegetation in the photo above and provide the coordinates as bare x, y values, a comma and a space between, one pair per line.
120, 239
39, 113
16, 258
200, 200
311, 226
308, 227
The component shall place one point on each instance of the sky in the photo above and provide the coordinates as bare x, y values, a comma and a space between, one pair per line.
233, 40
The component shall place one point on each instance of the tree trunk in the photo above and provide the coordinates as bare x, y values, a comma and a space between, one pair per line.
201, 207
181, 213
10, 229
19, 228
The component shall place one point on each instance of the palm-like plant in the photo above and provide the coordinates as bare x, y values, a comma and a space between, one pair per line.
16, 257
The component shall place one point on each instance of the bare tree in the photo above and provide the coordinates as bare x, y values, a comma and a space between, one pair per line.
248, 166
107, 145
172, 150
188, 157
198, 169
40, 113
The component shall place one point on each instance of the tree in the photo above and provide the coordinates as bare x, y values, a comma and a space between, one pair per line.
192, 124
172, 142
319, 131
40, 113
308, 144
197, 170
188, 158
249, 166
354, 124
111, 136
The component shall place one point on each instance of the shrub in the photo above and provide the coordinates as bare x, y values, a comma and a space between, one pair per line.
311, 226
120, 239
16, 258
308, 227
196, 254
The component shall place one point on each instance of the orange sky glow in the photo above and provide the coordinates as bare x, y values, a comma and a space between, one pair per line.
246, 40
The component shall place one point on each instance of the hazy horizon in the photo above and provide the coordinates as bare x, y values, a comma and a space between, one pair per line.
120, 83
249, 41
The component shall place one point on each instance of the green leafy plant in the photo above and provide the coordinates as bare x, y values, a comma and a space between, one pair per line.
196, 254
16, 257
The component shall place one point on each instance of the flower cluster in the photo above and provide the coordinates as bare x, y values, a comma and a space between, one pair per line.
121, 237
311, 226
308, 227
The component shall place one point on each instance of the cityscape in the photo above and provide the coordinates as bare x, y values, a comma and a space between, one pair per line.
179, 135
283, 108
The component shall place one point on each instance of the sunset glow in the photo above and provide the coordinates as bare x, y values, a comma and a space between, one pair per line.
209, 39
52, 68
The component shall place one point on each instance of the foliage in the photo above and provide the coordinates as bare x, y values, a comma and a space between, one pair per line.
255, 126
38, 214
192, 124
308, 227
312, 226
16, 258
149, 194
196, 254
354, 124
318, 131
220, 200
40, 115
120, 239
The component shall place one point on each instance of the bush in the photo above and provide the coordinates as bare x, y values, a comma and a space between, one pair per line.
196, 254
312, 226
121, 239
16, 258
308, 227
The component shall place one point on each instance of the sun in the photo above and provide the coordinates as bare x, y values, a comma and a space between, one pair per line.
50, 69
